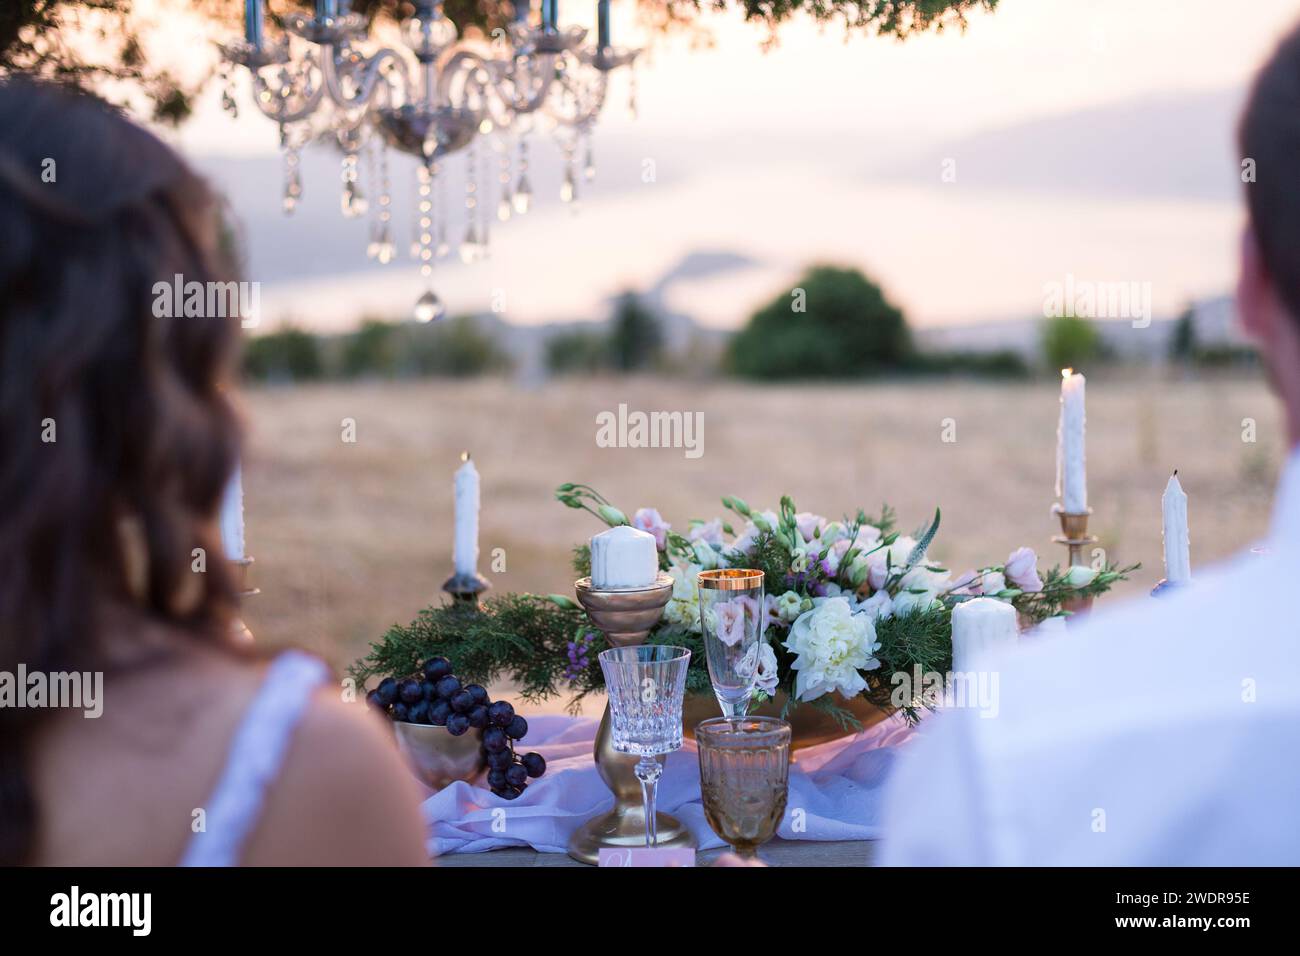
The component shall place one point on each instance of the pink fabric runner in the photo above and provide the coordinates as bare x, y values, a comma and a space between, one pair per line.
837, 785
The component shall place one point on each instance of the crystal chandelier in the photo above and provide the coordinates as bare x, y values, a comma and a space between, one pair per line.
447, 95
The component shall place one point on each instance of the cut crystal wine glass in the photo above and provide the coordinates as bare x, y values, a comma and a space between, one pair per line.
645, 684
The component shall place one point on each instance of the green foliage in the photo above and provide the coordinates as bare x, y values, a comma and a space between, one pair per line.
519, 637
1182, 344
98, 44
458, 347
289, 354
577, 352
1050, 601
635, 335
1000, 364
633, 343
1070, 341
525, 638
835, 323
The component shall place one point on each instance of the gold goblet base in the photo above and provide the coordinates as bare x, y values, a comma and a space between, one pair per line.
625, 616
624, 828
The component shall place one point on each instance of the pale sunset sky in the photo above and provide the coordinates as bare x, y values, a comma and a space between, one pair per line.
1088, 137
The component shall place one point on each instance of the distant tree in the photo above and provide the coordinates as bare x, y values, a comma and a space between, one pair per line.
575, 352
836, 323
457, 348
636, 335
1182, 344
1070, 341
370, 351
102, 44
286, 355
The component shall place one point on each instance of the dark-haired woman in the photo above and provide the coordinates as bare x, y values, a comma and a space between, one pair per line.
116, 439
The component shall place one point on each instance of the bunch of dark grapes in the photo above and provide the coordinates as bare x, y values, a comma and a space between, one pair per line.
435, 696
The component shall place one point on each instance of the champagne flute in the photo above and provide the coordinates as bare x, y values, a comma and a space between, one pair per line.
732, 619
646, 683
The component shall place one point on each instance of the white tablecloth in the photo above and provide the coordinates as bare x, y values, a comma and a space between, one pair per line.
837, 785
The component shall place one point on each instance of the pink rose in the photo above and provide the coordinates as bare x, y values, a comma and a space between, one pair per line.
1022, 570
731, 622
649, 519
808, 524
877, 573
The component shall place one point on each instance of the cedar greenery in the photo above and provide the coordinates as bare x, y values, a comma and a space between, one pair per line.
525, 638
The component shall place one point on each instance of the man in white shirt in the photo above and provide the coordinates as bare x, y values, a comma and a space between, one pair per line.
1167, 731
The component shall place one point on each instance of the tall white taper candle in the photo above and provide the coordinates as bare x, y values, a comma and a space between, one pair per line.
1178, 558
232, 517
1071, 470
465, 543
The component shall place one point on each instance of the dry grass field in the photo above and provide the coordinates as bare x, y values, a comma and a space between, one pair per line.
352, 537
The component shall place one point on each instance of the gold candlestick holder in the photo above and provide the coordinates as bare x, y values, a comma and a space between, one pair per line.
1074, 535
243, 569
625, 617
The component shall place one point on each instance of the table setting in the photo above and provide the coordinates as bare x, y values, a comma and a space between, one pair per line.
763, 670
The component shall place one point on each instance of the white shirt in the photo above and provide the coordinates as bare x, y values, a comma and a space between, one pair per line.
1165, 731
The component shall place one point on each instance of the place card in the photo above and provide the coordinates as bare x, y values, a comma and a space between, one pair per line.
647, 856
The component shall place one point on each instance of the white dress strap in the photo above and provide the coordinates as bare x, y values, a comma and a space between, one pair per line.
254, 759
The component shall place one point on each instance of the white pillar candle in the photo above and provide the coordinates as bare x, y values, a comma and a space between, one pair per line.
623, 557
981, 625
1178, 558
1071, 471
465, 544
232, 517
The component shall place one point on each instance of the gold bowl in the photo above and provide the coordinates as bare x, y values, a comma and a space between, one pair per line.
436, 757
809, 726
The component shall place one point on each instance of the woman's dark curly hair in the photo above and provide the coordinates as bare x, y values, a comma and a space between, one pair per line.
116, 437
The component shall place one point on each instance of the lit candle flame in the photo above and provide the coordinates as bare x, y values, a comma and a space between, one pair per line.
464, 456
1066, 372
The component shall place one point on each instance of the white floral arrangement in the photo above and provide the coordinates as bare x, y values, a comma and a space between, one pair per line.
848, 602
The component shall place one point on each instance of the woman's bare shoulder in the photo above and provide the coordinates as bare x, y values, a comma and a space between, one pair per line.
343, 796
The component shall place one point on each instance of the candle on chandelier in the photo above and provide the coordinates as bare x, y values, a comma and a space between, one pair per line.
465, 542
232, 517
1178, 558
602, 25
1071, 471
253, 23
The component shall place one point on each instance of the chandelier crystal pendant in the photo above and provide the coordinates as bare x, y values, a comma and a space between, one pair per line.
443, 94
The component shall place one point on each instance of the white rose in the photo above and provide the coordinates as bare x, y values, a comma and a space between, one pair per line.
1080, 575
705, 556
879, 605
709, 532
683, 608
897, 557
789, 606
918, 589
831, 645
992, 583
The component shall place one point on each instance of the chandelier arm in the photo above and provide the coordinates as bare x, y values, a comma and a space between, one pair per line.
260, 86
581, 119
506, 92
369, 78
